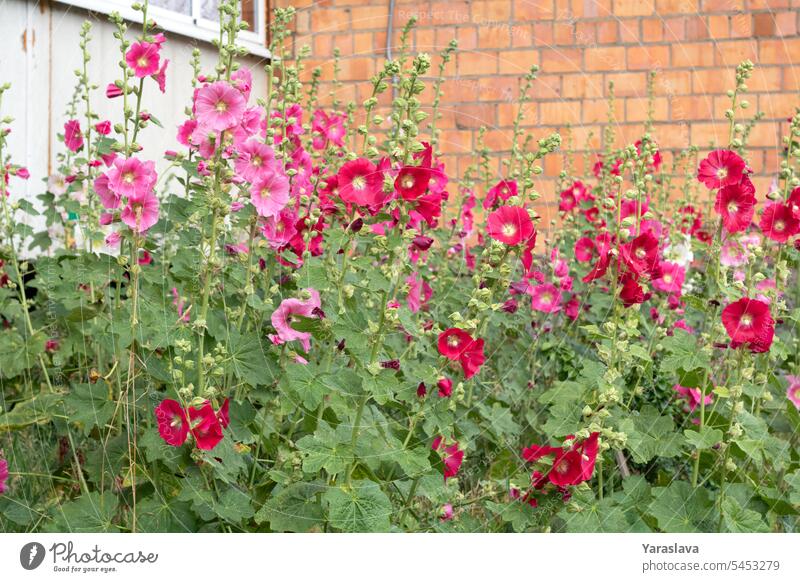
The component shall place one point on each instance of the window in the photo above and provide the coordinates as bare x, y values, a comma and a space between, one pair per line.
193, 18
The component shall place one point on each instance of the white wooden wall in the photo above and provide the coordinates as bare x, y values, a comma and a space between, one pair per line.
38, 55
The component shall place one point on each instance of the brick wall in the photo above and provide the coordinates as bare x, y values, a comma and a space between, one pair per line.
581, 46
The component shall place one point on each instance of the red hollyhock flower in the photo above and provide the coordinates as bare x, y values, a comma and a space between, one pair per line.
721, 168
205, 426
412, 181
361, 182
452, 343
510, 225
452, 460
600, 267
778, 222
568, 200
585, 249
641, 255
503, 190
736, 204
631, 292
472, 358
173, 424
566, 469
748, 321
536, 452
445, 386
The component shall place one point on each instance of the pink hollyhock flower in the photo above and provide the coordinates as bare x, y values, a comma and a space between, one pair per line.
535, 452
185, 131
206, 140
445, 386
446, 512
132, 178
503, 190
779, 223
180, 304
510, 225
219, 106
105, 219
288, 312
108, 197
681, 324
792, 393
568, 200
3, 476
103, 128
732, 254
205, 427
161, 76
692, 396
113, 91
141, 213
749, 321
327, 129
721, 168
472, 358
280, 230
270, 192
572, 308
361, 183
73, 136
545, 298
254, 157
146, 258
242, 79
672, 277
585, 249
419, 292
142, 57
766, 285
736, 204
113, 239
173, 424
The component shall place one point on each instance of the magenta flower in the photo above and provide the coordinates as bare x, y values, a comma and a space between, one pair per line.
327, 129
254, 157
270, 192
672, 277
721, 168
161, 76
3, 476
173, 423
545, 298
279, 230
242, 80
792, 393
132, 178
108, 197
141, 213
219, 106
142, 57
73, 136
288, 312
361, 183
113, 91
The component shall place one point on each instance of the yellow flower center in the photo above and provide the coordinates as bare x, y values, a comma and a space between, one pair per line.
142, 62
359, 182
747, 320
732, 207
509, 229
778, 226
722, 173
408, 181
128, 177
221, 106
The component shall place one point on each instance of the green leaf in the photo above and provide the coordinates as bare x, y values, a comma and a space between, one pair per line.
679, 508
326, 449
38, 410
682, 353
650, 435
89, 405
305, 385
93, 512
248, 361
360, 508
705, 438
295, 508
738, 519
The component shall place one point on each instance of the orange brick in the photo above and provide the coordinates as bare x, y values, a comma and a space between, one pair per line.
647, 57
741, 25
722, 5
677, 6
498, 140
652, 29
629, 30
564, 33
507, 113
477, 63
543, 34
534, 10
687, 108
786, 24
731, 53
591, 8
765, 80
517, 62
763, 24
776, 105
636, 109
585, 33
505, 89
697, 28
449, 13
493, 36
476, 115
583, 86
560, 112
330, 20
607, 32
634, 7
778, 51
595, 110
693, 55
713, 81
605, 58
366, 17
484, 11
675, 29
628, 84
561, 60
719, 26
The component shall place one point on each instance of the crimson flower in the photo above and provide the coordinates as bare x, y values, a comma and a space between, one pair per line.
721, 168
736, 204
779, 223
445, 386
631, 292
361, 183
205, 426
641, 255
585, 249
748, 321
412, 181
503, 190
510, 225
453, 342
173, 424
452, 456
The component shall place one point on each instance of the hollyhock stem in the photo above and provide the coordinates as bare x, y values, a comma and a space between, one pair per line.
130, 384
204, 304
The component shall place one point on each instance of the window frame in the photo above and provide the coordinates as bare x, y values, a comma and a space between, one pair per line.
185, 25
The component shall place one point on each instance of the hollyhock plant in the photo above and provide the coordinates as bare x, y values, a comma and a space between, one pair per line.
779, 223
270, 192
173, 422
721, 168
736, 204
793, 390
143, 58
73, 135
749, 321
140, 214
510, 225
501, 191
288, 312
545, 298
452, 456
445, 386
361, 183
254, 158
671, 279
132, 178
692, 396
219, 106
